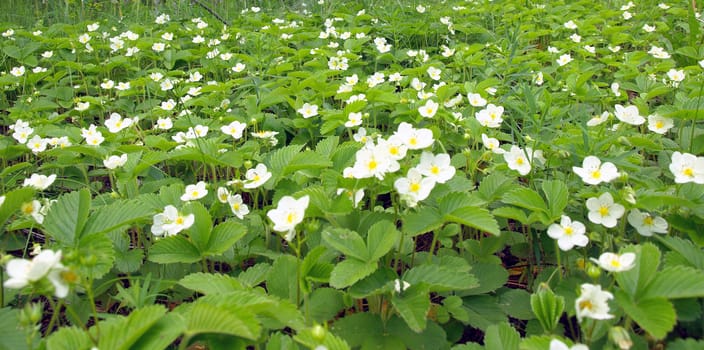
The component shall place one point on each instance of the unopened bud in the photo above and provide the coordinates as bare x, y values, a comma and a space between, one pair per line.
620, 337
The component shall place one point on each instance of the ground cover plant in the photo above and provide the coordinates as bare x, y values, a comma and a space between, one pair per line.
324, 175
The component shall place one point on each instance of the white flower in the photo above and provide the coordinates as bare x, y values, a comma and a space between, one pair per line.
158, 47
373, 161
552, 49
676, 75
603, 210
116, 123
436, 167
82, 106
162, 19
599, 119
33, 209
558, 345
414, 187
564, 59
354, 119
616, 263
592, 303
429, 109
538, 78
687, 168
628, 115
492, 144
308, 110
114, 162
646, 224
420, 8
22, 133
39, 182
414, 138
627, 15
234, 129
570, 25
289, 213
257, 176
164, 123
615, 89
658, 52
122, 86
37, 144
95, 139
434, 73
2, 200
593, 172
171, 222
223, 194
17, 71
400, 286
237, 206
518, 160
476, 100
663, 6
658, 124
168, 105
648, 28
47, 263
491, 116
239, 67
576, 38
355, 197
568, 233
194, 192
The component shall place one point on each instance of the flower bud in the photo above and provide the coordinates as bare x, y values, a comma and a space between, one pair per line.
620, 337
318, 332
593, 271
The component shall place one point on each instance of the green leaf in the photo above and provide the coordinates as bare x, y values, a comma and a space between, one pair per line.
118, 214
12, 337
359, 328
490, 276
254, 275
494, 186
174, 249
98, 249
693, 254
478, 218
67, 338
224, 236
324, 304
516, 303
526, 198
557, 194
685, 344
433, 337
655, 315
512, 213
66, 218
483, 311
426, 219
281, 280
162, 333
635, 280
13, 202
373, 284
202, 226
381, 239
536, 342
305, 161
123, 332
278, 160
413, 305
209, 283
501, 337
347, 242
329, 340
349, 271
547, 308
676, 282
440, 278
204, 317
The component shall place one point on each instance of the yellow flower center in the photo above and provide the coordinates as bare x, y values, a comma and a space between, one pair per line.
69, 276
194, 194
603, 210
435, 170
648, 220
428, 110
179, 220
372, 165
520, 161
236, 206
27, 208
393, 150
290, 217
596, 174
414, 187
585, 304
615, 263
413, 141
659, 124
569, 230
689, 172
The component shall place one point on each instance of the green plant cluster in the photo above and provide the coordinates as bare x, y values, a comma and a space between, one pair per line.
457, 175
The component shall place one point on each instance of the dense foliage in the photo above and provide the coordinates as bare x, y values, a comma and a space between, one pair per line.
464, 175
